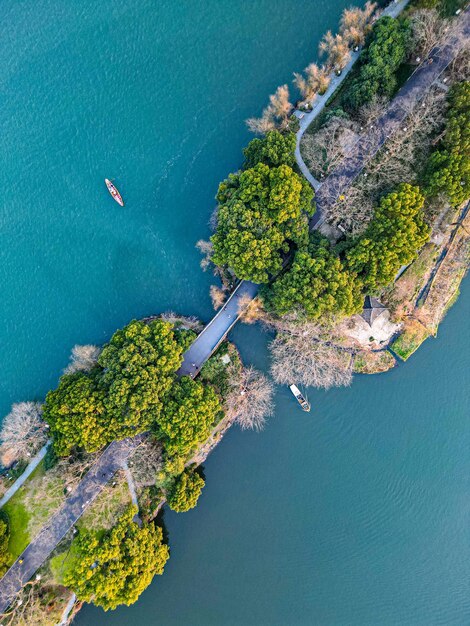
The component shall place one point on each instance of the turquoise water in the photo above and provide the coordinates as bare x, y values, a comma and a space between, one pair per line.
355, 514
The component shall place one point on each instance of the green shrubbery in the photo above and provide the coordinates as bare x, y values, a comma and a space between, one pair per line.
315, 285
115, 568
186, 491
386, 49
448, 169
395, 234
261, 211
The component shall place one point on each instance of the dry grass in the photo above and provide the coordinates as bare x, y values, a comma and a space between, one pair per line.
373, 362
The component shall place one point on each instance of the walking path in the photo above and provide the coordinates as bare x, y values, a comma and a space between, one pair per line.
19, 482
370, 143
61, 522
305, 119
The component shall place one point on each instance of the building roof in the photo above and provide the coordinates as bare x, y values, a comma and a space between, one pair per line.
372, 310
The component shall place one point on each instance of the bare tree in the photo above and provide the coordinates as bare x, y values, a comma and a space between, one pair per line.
146, 462
207, 249
316, 80
37, 603
355, 23
250, 399
250, 309
23, 432
326, 148
337, 50
261, 125
428, 30
299, 356
280, 105
218, 296
82, 359
460, 66
187, 322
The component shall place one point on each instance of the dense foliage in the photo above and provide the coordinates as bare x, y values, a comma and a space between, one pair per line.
273, 149
185, 491
261, 210
5, 556
385, 51
115, 568
189, 411
448, 170
122, 395
315, 285
395, 234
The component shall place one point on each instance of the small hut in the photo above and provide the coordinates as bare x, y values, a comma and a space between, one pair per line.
372, 310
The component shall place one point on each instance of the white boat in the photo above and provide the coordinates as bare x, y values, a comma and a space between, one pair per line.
300, 398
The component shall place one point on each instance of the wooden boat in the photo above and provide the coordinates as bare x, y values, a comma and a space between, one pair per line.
300, 398
114, 192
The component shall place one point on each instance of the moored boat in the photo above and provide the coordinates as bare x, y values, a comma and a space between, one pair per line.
114, 192
304, 403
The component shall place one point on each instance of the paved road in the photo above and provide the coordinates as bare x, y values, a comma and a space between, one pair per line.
61, 522
393, 10
370, 143
212, 335
25, 475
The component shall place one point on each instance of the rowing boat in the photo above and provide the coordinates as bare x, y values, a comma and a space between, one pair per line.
114, 192
304, 403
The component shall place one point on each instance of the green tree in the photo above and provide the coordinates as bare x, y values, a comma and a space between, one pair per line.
76, 413
185, 491
261, 210
315, 285
448, 169
5, 556
117, 567
386, 49
122, 395
273, 149
395, 234
190, 409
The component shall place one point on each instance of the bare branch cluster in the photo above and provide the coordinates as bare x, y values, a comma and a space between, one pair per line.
250, 399
206, 249
188, 322
315, 81
250, 309
299, 356
82, 359
336, 47
146, 462
276, 114
428, 30
218, 296
326, 148
23, 432
356, 23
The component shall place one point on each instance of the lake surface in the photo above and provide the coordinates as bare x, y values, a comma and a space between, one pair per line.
357, 513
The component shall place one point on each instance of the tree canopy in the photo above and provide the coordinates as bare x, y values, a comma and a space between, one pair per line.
448, 169
117, 567
5, 556
386, 49
315, 285
260, 210
190, 409
122, 395
273, 149
185, 491
394, 235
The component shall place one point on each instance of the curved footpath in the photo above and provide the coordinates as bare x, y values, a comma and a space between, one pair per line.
117, 453
370, 143
305, 119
